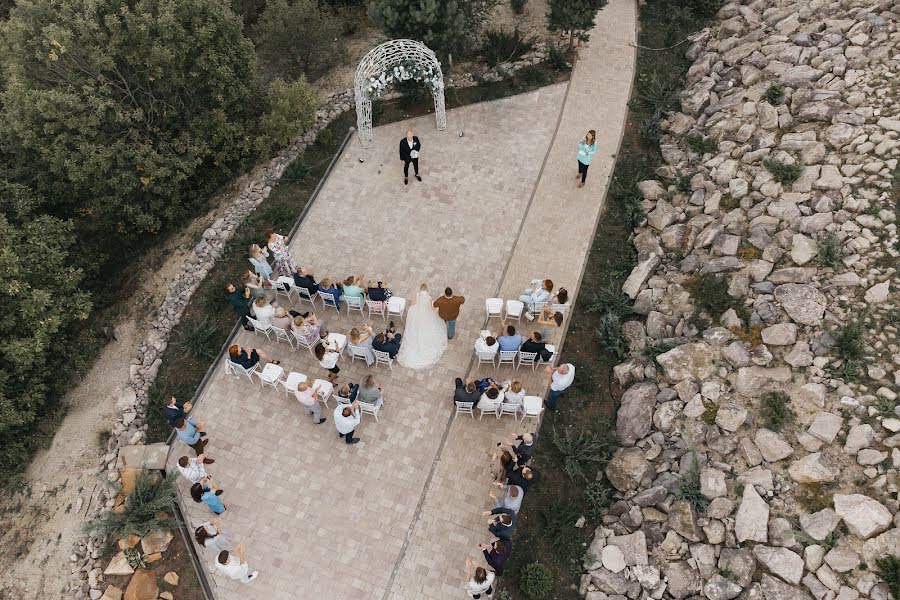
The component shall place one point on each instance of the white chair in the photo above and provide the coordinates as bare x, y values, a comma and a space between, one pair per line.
338, 338
528, 358
560, 308
237, 370
514, 309
358, 352
552, 350
507, 357
370, 408
303, 343
485, 411
509, 408
283, 336
465, 408
271, 375
283, 286
377, 307
487, 357
303, 295
260, 328
325, 390
537, 307
494, 308
294, 379
383, 358
354, 303
532, 406
395, 307
328, 300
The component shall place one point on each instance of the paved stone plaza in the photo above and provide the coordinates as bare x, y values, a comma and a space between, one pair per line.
395, 516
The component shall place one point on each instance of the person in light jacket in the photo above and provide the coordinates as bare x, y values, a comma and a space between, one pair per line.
586, 150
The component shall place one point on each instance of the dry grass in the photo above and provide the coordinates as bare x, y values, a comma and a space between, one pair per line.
753, 335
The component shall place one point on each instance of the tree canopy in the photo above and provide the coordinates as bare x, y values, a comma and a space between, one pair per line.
440, 24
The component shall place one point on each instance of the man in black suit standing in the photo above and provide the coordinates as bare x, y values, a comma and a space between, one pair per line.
409, 153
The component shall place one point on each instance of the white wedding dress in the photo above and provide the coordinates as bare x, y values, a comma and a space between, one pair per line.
425, 336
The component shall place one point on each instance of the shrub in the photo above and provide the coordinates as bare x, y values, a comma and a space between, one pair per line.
829, 251
650, 129
298, 37
557, 60
535, 580
728, 203
535, 75
683, 182
654, 348
848, 344
152, 497
609, 332
709, 293
704, 8
293, 110
574, 16
653, 94
689, 486
697, 143
580, 450
776, 410
775, 94
748, 252
814, 497
559, 525
885, 407
783, 173
502, 46
889, 569
607, 298
710, 412
518, 6
441, 25
597, 496
136, 558
199, 341
751, 335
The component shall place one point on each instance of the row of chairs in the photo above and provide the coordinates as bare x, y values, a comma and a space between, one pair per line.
515, 309
393, 307
513, 358
532, 406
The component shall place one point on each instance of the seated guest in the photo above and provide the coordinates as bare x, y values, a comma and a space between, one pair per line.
348, 393
466, 393
486, 344
327, 287
263, 311
502, 522
561, 297
512, 498
388, 341
173, 412
256, 285
370, 392
536, 344
513, 393
378, 291
328, 357
248, 357
491, 399
496, 554
538, 292
353, 289
282, 320
259, 258
308, 328
240, 303
551, 322
304, 278
484, 384
508, 339
364, 340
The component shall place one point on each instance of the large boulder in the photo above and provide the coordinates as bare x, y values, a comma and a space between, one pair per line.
142, 586
689, 361
881, 546
754, 380
635, 417
780, 561
775, 589
157, 541
752, 520
813, 469
627, 468
639, 275
633, 547
803, 303
863, 516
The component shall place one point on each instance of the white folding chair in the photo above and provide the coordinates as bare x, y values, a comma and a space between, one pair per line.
509, 408
395, 307
341, 340
383, 358
283, 286
494, 308
371, 408
272, 375
294, 379
358, 352
485, 411
507, 357
532, 406
514, 309
377, 307
301, 343
283, 336
528, 358
237, 370
325, 390
303, 295
260, 328
328, 300
560, 308
465, 408
487, 357
354, 303
552, 350
537, 307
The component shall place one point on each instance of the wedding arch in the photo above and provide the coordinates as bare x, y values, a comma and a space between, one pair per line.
393, 62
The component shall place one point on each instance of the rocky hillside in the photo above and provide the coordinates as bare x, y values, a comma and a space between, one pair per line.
759, 429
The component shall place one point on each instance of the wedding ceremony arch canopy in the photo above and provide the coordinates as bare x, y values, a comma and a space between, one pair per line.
390, 63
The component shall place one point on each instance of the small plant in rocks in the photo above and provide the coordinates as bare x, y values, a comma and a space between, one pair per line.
888, 568
828, 250
784, 173
609, 332
776, 410
689, 486
136, 559
597, 496
536, 580
697, 143
775, 94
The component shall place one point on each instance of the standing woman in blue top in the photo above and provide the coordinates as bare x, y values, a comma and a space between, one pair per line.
206, 491
586, 149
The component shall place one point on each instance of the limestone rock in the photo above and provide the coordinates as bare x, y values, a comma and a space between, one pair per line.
781, 562
171, 578
752, 519
682, 580
730, 417
780, 334
803, 303
819, 524
881, 546
112, 593
634, 419
142, 586
859, 437
119, 565
825, 426
633, 547
753, 381
811, 469
719, 588
772, 446
683, 520
157, 541
775, 589
613, 559
863, 516
627, 468
689, 361
878, 293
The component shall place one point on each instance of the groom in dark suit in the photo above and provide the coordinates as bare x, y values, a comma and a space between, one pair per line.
409, 153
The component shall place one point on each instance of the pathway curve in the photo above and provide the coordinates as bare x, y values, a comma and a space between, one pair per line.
394, 516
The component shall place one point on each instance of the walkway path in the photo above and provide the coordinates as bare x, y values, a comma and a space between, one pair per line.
395, 516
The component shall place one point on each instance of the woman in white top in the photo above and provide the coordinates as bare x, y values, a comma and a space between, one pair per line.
263, 311
514, 392
492, 398
328, 358
481, 581
486, 343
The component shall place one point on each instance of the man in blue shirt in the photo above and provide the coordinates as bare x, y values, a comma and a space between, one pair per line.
191, 434
510, 341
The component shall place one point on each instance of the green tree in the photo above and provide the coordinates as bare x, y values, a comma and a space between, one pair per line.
476, 13
120, 111
293, 109
39, 300
573, 16
297, 37
440, 24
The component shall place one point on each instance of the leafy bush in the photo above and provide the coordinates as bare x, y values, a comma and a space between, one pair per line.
704, 8
293, 110
574, 16
535, 580
653, 94
829, 251
152, 497
441, 25
848, 341
535, 75
650, 129
775, 94
580, 450
889, 570
783, 173
776, 410
697, 143
728, 203
885, 407
608, 297
502, 46
609, 332
689, 486
199, 341
748, 252
683, 182
136, 558
298, 37
518, 6
557, 60
597, 496
709, 293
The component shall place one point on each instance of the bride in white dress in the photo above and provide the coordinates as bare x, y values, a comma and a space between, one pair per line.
425, 336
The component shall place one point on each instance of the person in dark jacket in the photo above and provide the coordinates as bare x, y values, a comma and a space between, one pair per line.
466, 392
409, 153
496, 554
502, 522
525, 478
240, 303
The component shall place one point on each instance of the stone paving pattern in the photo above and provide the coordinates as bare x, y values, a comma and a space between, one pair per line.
394, 516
